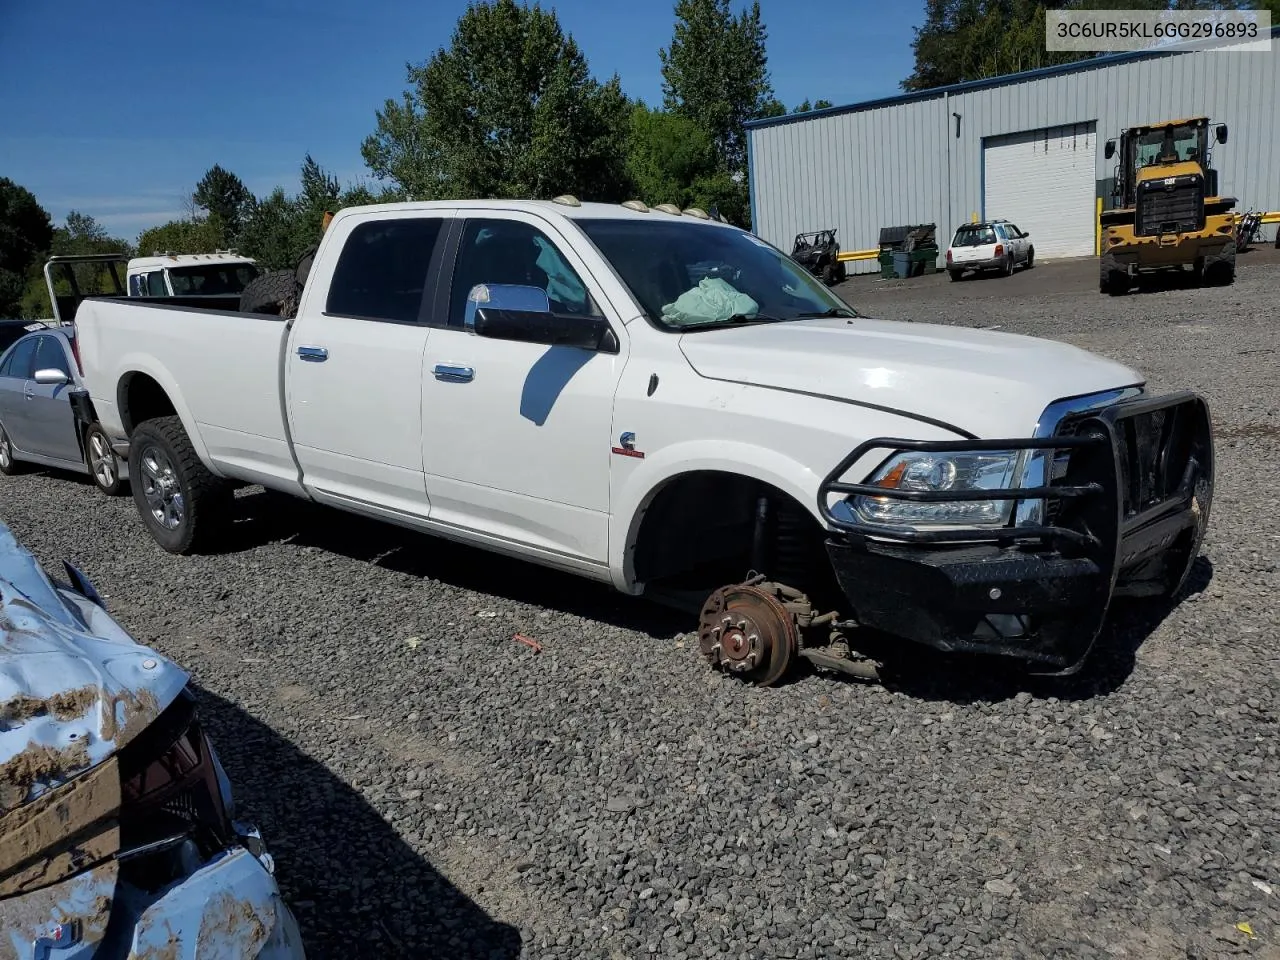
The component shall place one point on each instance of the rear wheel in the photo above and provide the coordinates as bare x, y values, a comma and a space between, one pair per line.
954, 274
829, 274
1031, 257
1007, 270
103, 464
9, 464
177, 497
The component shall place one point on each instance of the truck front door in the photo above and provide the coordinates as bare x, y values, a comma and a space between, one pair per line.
516, 436
355, 364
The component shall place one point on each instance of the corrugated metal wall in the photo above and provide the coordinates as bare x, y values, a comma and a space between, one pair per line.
891, 165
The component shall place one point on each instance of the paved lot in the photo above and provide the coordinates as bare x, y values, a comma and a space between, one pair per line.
431, 788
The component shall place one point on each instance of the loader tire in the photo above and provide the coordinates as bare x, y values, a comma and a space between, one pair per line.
1220, 271
274, 293
1111, 279
179, 500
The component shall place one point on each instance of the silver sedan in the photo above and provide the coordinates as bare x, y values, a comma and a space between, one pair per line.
42, 400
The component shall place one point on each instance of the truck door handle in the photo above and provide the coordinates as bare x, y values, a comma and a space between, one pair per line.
454, 373
313, 354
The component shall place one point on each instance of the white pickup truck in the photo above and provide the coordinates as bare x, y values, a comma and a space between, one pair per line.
653, 399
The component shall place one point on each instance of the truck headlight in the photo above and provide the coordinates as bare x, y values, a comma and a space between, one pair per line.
940, 472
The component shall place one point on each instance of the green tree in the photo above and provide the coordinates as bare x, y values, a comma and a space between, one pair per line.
202, 235
508, 110
716, 73
964, 40
79, 234
667, 154
226, 199
273, 233
807, 106
971, 39
26, 234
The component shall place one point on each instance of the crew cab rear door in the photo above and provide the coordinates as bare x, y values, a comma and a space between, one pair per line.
354, 363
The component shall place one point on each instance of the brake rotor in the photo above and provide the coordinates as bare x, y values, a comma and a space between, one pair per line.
747, 632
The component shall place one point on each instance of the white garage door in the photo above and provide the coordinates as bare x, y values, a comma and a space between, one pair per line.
1043, 180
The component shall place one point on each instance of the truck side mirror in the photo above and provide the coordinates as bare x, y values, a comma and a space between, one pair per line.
505, 296
1222, 133
1109, 150
549, 329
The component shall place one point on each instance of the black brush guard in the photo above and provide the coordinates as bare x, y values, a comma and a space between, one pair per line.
1125, 517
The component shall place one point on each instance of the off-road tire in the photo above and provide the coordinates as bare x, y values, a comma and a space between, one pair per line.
94, 433
1111, 279
1220, 271
205, 497
274, 293
829, 274
304, 266
10, 466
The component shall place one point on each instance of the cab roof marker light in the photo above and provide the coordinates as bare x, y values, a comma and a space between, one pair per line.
568, 200
697, 212
637, 205
670, 208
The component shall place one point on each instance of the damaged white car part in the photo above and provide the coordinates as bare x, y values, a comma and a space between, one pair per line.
117, 829
670, 405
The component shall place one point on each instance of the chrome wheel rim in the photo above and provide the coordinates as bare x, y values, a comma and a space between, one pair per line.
102, 460
6, 455
160, 489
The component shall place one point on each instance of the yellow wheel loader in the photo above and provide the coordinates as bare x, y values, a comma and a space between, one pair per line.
1168, 214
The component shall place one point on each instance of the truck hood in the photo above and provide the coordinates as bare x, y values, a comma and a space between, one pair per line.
988, 383
74, 687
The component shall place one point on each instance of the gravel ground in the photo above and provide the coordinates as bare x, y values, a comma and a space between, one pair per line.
431, 788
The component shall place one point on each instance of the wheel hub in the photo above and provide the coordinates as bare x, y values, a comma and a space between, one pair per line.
161, 489
104, 467
748, 632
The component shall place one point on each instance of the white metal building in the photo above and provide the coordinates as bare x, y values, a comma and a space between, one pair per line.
1026, 147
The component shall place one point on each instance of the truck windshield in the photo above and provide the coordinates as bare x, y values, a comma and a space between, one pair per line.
211, 279
696, 276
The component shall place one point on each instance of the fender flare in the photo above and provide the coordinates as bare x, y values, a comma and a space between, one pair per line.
141, 363
637, 492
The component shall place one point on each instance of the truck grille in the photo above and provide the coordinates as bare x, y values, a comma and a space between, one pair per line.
1171, 208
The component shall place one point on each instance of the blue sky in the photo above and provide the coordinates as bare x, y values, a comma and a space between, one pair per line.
117, 110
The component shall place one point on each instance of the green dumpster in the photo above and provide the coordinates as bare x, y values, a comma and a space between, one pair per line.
886, 263
924, 260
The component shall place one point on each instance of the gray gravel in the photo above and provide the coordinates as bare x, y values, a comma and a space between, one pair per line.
431, 788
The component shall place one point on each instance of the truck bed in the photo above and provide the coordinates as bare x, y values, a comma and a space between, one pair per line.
223, 369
